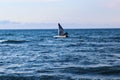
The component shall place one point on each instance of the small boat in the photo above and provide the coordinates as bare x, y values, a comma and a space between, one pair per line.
61, 33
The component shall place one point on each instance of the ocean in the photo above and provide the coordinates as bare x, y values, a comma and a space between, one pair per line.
87, 54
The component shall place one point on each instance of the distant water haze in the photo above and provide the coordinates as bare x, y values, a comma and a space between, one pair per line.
33, 25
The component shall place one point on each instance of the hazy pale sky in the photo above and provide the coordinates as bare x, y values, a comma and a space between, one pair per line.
67, 11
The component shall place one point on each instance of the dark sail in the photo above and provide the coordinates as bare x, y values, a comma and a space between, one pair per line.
60, 30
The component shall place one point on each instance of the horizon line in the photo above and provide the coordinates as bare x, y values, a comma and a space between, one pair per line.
53, 28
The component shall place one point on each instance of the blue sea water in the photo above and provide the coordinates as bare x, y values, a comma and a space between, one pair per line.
87, 54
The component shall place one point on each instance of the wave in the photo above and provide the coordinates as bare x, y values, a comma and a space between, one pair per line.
73, 45
102, 70
114, 37
13, 41
64, 73
105, 70
18, 78
42, 77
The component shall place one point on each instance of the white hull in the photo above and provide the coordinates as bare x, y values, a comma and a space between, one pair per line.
59, 36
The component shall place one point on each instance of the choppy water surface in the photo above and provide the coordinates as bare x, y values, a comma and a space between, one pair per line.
36, 55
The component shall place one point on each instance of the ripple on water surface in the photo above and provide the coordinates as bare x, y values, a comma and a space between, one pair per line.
34, 55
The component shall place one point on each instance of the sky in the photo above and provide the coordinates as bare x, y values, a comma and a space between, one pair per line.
74, 12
